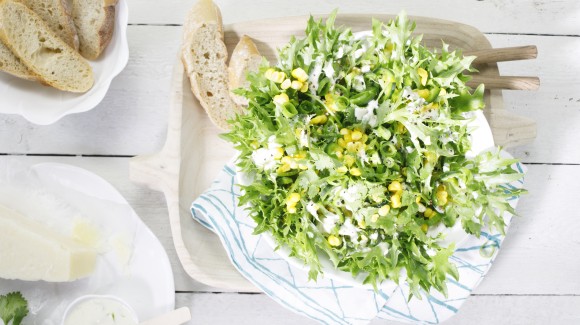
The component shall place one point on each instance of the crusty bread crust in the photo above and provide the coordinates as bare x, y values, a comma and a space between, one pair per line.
204, 56
245, 59
95, 24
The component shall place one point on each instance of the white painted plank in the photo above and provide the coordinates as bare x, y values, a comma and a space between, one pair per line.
556, 105
132, 118
218, 309
509, 16
539, 255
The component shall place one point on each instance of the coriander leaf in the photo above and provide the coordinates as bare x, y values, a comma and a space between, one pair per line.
13, 308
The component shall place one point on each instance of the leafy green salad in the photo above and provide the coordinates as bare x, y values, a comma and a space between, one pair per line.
356, 147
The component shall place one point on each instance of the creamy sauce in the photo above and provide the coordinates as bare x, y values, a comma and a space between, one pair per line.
100, 311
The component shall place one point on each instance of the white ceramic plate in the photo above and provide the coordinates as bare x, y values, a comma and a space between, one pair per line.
481, 140
45, 105
132, 264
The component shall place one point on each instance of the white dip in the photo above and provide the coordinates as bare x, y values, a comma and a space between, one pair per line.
100, 311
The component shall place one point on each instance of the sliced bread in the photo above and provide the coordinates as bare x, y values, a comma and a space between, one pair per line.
43, 52
245, 59
204, 57
57, 15
11, 64
95, 23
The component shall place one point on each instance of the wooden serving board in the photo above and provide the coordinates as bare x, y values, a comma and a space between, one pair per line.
194, 154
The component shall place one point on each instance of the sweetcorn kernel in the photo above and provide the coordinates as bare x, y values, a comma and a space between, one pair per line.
334, 241
296, 85
374, 217
356, 135
320, 119
286, 84
342, 170
300, 74
396, 200
281, 99
395, 186
424, 227
384, 210
355, 171
293, 197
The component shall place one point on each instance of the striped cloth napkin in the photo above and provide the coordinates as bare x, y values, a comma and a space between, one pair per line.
331, 301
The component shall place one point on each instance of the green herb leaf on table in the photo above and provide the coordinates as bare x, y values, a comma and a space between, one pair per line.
13, 308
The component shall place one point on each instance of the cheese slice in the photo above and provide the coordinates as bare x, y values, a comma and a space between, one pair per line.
31, 251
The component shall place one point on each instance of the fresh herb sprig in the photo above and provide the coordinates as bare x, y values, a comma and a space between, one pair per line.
357, 148
13, 308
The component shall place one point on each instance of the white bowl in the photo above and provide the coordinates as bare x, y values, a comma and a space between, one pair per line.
117, 302
45, 105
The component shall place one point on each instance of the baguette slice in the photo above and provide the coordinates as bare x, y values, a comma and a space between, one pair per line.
245, 59
44, 53
11, 64
57, 15
204, 57
95, 24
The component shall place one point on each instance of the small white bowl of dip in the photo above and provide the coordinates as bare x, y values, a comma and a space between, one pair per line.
101, 310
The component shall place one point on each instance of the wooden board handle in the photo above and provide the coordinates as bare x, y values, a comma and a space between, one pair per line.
505, 82
504, 54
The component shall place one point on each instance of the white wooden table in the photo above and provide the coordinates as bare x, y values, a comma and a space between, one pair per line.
535, 279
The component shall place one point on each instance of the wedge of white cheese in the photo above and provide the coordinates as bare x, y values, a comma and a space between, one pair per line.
31, 251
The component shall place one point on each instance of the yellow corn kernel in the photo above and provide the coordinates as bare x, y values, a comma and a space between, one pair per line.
300, 74
384, 210
441, 187
293, 197
395, 186
300, 154
338, 154
304, 87
347, 137
351, 147
279, 153
342, 170
334, 241
281, 99
296, 85
396, 201
349, 160
441, 197
424, 227
374, 217
355, 171
341, 142
268, 74
291, 209
418, 199
362, 224
344, 131
286, 84
356, 135
424, 75
429, 213
423, 93
278, 77
320, 119
282, 169
286, 160
442, 92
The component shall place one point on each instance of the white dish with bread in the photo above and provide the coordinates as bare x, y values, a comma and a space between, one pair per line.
58, 57
68, 233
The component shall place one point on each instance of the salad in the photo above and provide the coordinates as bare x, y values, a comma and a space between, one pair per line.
358, 146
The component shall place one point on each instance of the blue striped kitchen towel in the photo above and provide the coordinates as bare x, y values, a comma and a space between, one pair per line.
329, 301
